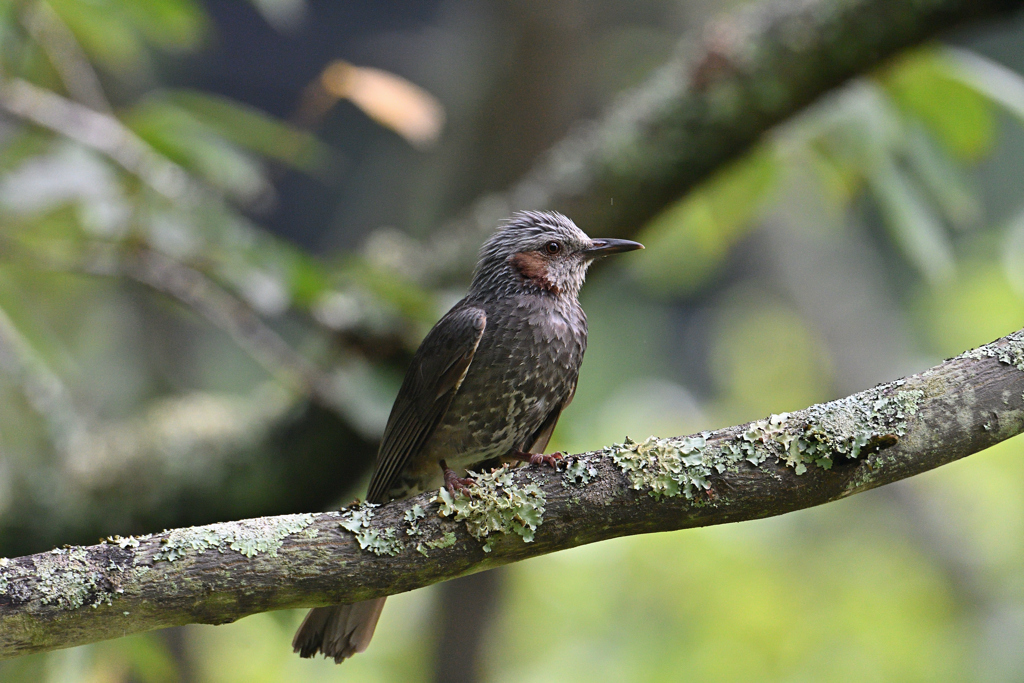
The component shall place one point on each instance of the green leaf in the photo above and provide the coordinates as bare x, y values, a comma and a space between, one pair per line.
183, 138
307, 279
253, 129
10, 32
989, 78
925, 85
104, 35
168, 24
116, 33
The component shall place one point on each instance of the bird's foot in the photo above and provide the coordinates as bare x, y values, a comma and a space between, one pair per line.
549, 459
454, 482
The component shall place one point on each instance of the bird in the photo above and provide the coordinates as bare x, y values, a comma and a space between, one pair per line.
486, 386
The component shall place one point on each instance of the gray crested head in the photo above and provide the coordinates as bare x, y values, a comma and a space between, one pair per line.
539, 252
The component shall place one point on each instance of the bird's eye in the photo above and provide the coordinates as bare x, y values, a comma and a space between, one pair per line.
552, 248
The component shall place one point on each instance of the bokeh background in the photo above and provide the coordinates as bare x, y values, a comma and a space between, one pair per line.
212, 276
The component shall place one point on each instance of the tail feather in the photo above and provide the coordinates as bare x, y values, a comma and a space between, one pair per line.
338, 631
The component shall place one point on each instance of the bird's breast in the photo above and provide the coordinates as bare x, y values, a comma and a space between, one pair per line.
524, 368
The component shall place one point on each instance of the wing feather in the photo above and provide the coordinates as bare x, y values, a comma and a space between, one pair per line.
433, 379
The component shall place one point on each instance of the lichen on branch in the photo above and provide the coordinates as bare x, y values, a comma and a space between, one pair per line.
495, 504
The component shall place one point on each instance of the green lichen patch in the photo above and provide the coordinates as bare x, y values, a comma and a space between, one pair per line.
578, 472
250, 537
751, 444
379, 541
853, 426
66, 578
495, 504
1012, 353
446, 541
664, 467
412, 517
850, 427
127, 541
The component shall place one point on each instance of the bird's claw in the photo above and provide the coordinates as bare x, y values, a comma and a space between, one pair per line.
453, 482
549, 459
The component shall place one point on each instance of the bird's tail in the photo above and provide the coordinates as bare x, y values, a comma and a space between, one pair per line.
338, 631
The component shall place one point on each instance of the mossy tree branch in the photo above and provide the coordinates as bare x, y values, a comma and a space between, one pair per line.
220, 573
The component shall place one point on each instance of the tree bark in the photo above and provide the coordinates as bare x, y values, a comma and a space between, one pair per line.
222, 572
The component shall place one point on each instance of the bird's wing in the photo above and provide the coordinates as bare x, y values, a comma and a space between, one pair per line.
431, 382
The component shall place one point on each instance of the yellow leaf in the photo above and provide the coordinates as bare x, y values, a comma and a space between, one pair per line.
390, 100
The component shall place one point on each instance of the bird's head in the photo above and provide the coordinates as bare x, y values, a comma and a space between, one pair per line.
542, 251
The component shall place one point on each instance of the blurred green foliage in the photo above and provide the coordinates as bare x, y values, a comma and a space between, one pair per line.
145, 313
118, 34
690, 240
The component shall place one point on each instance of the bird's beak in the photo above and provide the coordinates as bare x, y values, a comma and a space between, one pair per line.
603, 247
